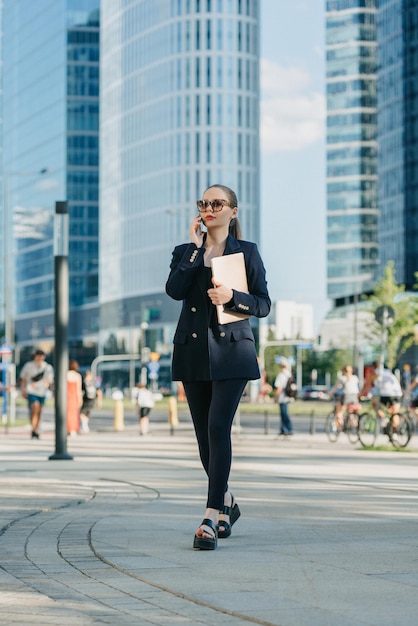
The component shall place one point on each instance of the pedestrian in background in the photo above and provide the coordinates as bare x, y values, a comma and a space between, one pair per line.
145, 401
406, 377
36, 379
283, 400
89, 391
215, 361
74, 398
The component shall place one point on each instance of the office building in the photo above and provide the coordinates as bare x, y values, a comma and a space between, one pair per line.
50, 62
398, 143
179, 100
352, 213
179, 112
294, 320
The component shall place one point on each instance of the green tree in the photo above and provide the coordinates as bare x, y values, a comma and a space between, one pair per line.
271, 353
323, 361
405, 305
331, 361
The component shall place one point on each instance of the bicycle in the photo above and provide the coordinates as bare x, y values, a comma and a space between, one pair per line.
412, 409
349, 426
398, 427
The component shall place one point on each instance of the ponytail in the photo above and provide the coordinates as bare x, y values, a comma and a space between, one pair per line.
235, 228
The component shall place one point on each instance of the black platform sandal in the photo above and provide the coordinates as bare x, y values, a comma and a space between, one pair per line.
234, 514
206, 543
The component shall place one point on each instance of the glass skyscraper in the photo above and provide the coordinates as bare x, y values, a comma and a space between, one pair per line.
50, 62
398, 139
352, 239
179, 112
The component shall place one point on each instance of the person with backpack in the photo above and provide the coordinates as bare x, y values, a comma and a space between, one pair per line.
36, 380
285, 392
89, 399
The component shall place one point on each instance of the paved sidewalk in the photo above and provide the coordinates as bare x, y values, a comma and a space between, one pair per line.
328, 533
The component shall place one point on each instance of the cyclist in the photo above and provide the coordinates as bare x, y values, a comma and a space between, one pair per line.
350, 386
384, 384
408, 390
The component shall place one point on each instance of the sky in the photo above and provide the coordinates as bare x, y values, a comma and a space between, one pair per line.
293, 235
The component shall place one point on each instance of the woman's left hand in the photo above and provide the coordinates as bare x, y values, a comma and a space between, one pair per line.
220, 294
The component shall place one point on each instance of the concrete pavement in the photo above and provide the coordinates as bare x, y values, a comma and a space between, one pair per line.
328, 532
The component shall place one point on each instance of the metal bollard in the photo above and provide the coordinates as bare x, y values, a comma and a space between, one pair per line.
266, 422
173, 418
118, 411
312, 424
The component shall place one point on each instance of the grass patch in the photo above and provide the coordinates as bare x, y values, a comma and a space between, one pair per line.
17, 422
387, 448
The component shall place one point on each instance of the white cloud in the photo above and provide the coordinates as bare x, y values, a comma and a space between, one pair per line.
45, 184
33, 223
292, 114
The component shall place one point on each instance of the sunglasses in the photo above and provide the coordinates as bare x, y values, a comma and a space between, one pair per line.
215, 205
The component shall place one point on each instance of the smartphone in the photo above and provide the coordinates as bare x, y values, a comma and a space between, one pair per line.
202, 226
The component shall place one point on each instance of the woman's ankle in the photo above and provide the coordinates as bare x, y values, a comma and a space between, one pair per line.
228, 499
212, 514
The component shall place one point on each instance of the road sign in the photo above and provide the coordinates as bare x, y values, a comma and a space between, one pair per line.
5, 350
153, 369
385, 315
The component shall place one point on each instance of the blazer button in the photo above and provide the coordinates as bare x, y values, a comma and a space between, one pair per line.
194, 335
193, 309
222, 334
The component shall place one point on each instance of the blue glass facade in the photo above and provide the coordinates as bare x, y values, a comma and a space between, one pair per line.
83, 156
398, 139
351, 65
410, 90
180, 111
50, 104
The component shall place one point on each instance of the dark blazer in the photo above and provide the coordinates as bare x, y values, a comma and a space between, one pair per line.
204, 349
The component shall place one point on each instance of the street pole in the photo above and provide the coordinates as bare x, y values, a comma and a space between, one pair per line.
385, 316
61, 330
355, 336
145, 351
132, 318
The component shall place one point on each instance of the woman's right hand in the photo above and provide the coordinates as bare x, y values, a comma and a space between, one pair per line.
196, 234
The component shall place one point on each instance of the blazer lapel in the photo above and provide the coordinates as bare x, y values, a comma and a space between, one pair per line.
232, 245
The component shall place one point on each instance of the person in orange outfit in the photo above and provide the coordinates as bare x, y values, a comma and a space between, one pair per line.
74, 398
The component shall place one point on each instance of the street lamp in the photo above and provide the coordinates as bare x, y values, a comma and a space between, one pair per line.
8, 295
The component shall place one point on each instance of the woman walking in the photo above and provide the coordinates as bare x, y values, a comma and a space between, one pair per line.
215, 361
74, 398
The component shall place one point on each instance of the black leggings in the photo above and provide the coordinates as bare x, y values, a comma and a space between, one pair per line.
213, 405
